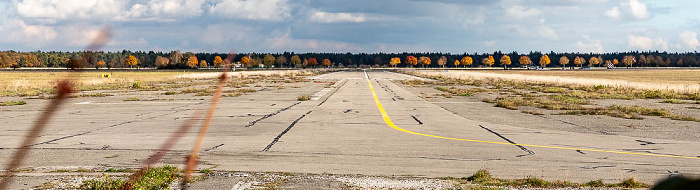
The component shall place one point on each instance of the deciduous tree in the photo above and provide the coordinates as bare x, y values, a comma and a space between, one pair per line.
99, 64
218, 61
615, 62
296, 61
491, 60
245, 61
525, 60
485, 61
442, 61
563, 60
593, 61
643, 59
466, 60
544, 60
268, 60
281, 60
203, 64
326, 63
313, 62
457, 63
505, 61
161, 62
628, 60
579, 61
425, 61
176, 57
411, 60
192, 61
131, 61
394, 61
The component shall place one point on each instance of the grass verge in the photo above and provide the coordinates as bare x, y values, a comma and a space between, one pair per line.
484, 178
13, 103
154, 178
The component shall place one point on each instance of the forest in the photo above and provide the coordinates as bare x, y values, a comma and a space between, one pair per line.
189, 60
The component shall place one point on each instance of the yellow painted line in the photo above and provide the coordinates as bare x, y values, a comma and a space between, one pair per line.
391, 124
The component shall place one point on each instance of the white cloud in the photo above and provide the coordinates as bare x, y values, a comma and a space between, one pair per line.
163, 10
77, 35
325, 17
647, 43
18, 32
225, 36
490, 43
589, 45
518, 12
270, 10
614, 13
53, 10
632, 9
638, 9
475, 20
285, 42
541, 31
689, 39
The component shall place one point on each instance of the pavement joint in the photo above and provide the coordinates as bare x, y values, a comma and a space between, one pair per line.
272, 114
284, 132
510, 141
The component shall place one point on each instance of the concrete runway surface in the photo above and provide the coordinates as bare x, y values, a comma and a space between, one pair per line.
342, 130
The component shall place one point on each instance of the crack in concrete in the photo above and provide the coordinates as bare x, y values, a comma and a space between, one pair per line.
529, 152
272, 114
214, 147
416, 118
284, 132
332, 92
102, 128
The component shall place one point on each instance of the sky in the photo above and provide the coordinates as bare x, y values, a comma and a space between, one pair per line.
357, 26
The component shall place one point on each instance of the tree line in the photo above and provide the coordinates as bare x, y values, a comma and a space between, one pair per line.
189, 60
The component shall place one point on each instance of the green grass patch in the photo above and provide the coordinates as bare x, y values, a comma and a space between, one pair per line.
13, 103
484, 178
122, 170
154, 178
205, 171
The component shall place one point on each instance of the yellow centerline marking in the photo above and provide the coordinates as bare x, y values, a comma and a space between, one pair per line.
391, 124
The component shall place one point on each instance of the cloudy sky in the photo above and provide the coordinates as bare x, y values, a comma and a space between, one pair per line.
353, 25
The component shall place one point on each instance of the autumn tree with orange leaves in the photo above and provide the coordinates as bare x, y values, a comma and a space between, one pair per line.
525, 60
466, 60
563, 60
203, 64
192, 61
245, 61
579, 61
505, 61
99, 64
411, 60
394, 61
544, 60
218, 61
131, 61
326, 63
312, 62
425, 61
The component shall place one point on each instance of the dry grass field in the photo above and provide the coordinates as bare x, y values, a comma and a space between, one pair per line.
32, 83
681, 80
